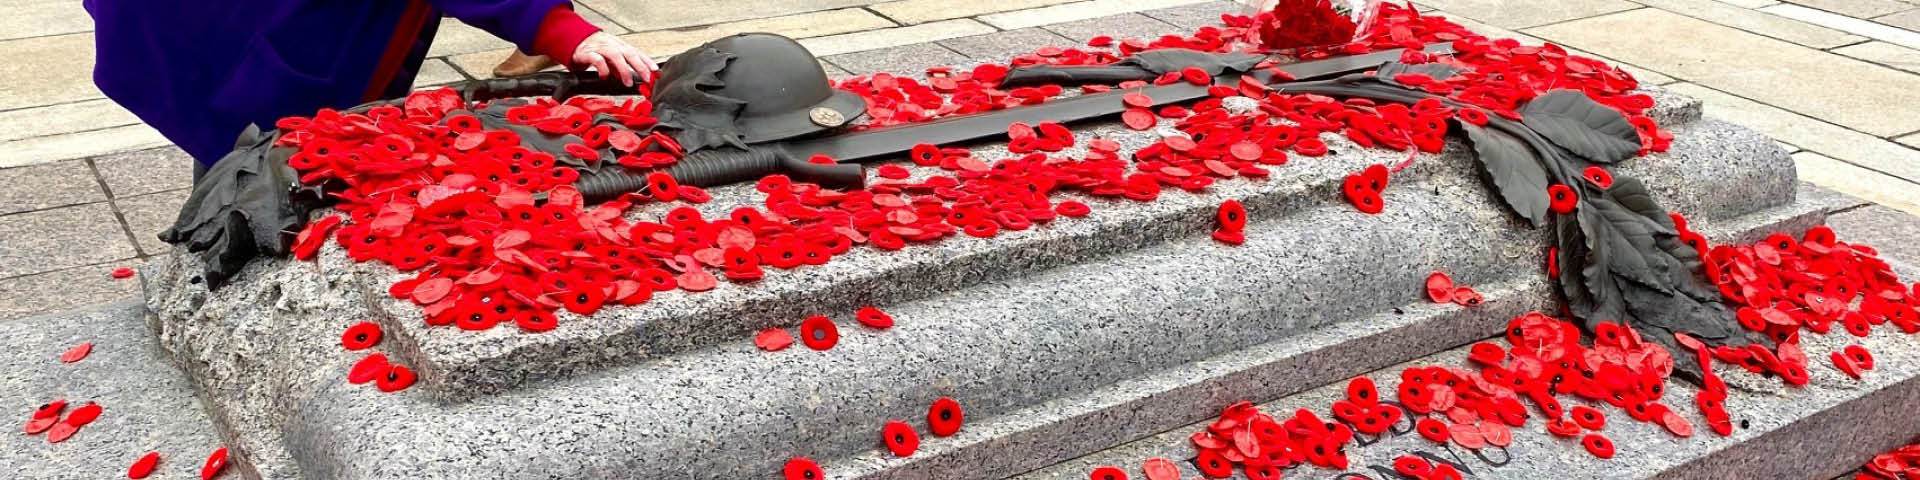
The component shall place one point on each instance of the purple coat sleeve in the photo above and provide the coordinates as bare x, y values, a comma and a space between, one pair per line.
518, 21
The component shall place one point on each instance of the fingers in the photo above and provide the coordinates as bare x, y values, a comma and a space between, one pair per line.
598, 62
621, 66
641, 63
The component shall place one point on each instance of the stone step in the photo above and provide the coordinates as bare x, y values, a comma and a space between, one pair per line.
148, 405
1019, 348
1826, 429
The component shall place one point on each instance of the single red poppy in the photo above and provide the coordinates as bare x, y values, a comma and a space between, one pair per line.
802, 468
144, 466
900, 439
1676, 424
1466, 297
773, 340
1432, 429
1413, 466
50, 409
1564, 428
944, 417
1107, 473
1440, 287
819, 333
1139, 118
1473, 116
1562, 199
663, 187
1212, 465
1160, 469
1588, 417
1598, 176
584, 299
1467, 435
216, 462
1137, 100
60, 432
535, 320
77, 352
84, 415
1229, 237
367, 369
1232, 215
1598, 445
873, 317
1362, 391
395, 379
124, 272
1860, 356
361, 336
1072, 209
39, 425
1369, 203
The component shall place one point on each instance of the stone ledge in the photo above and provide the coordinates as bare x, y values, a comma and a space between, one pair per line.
1823, 430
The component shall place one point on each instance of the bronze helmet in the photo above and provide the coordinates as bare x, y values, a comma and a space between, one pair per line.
771, 88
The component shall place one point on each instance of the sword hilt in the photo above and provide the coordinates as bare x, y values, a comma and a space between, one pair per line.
722, 166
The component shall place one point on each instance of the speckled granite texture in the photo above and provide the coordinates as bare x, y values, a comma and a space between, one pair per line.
147, 404
1059, 340
1825, 429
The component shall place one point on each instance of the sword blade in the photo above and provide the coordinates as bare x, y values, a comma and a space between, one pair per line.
870, 144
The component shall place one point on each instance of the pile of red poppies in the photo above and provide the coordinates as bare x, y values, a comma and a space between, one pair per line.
1900, 463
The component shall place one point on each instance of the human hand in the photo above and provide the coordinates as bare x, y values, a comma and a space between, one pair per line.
608, 54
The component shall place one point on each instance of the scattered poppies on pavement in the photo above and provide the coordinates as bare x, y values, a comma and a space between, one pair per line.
77, 352
122, 272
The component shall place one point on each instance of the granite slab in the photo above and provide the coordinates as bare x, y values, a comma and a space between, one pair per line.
1823, 430
148, 405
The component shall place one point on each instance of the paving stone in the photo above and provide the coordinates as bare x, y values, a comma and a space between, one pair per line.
63, 118
39, 18
1885, 54
1639, 73
63, 290
48, 240
1068, 12
908, 60
148, 406
1194, 16
1507, 14
909, 12
50, 185
1758, 22
892, 37
48, 70
456, 37
53, 148
1855, 94
644, 15
664, 43
999, 47
1909, 20
1120, 27
1893, 35
1856, 8
1809, 133
1860, 182
1749, 3
148, 215
1910, 140
1889, 230
145, 171
436, 71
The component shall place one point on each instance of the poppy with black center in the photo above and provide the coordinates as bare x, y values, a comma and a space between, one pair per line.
1108, 473
944, 417
802, 468
900, 439
1212, 465
1562, 199
1598, 445
819, 333
395, 379
361, 336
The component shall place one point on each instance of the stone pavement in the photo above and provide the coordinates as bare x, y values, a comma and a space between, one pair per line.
84, 186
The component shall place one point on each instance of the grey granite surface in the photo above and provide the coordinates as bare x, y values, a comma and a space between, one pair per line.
147, 404
1120, 27
1822, 430
999, 47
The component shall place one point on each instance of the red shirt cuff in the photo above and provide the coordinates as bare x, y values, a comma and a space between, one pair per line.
560, 33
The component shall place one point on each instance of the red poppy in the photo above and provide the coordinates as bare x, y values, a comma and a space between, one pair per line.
772, 340
1072, 209
77, 352
584, 299
395, 379
1466, 297
216, 462
944, 417
360, 336
124, 272
535, 320
1160, 469
367, 369
900, 439
84, 415
1598, 176
1440, 287
1562, 199
873, 317
1860, 356
1433, 429
1229, 237
802, 468
1107, 473
1139, 118
1232, 215
819, 333
1598, 445
1212, 465
1588, 418
144, 466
